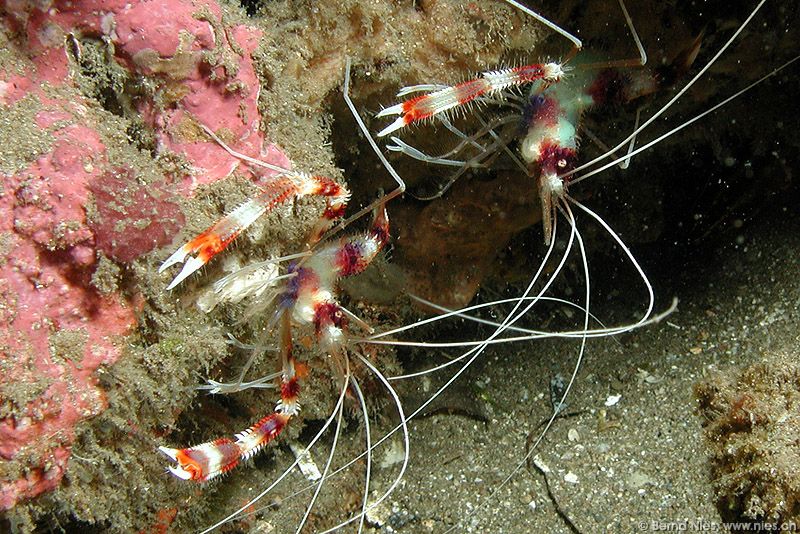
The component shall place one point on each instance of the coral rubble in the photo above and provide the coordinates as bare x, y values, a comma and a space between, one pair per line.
752, 423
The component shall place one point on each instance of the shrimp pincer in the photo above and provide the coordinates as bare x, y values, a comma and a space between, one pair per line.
487, 84
279, 190
206, 461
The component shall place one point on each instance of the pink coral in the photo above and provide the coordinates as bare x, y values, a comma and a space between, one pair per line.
49, 209
132, 219
57, 328
204, 69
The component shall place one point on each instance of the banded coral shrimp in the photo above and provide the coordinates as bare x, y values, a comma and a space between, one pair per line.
498, 440
431, 443
305, 295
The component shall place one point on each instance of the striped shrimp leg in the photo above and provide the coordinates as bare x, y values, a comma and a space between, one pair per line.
282, 188
491, 82
206, 461
337, 198
357, 252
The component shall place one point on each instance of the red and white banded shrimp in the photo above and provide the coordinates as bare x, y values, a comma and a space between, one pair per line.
374, 507
548, 150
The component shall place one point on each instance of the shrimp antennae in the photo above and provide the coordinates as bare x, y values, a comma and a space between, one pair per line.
672, 101
687, 123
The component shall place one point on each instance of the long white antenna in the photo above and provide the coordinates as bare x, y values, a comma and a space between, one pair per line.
553, 26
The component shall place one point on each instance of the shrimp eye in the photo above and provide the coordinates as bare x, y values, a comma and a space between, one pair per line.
562, 163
